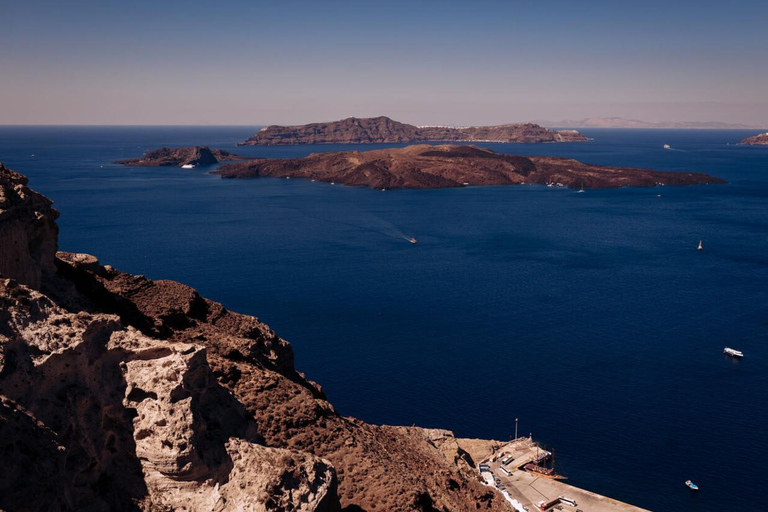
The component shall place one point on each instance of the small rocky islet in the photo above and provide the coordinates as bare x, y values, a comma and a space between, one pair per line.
761, 139
191, 156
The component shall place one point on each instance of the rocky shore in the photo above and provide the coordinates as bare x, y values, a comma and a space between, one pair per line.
178, 157
760, 139
122, 393
427, 166
385, 130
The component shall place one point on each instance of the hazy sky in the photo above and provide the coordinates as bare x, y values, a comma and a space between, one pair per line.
473, 62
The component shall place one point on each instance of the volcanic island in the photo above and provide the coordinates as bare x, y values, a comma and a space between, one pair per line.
428, 166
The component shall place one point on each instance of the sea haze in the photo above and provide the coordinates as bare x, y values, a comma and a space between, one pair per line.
591, 317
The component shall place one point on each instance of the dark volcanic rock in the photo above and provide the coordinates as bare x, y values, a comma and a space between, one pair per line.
760, 139
123, 393
385, 130
28, 231
426, 166
176, 157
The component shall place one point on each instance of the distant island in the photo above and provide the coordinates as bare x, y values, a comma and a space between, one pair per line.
382, 129
427, 166
181, 157
619, 122
761, 139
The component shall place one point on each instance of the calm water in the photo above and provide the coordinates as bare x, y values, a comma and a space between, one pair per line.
591, 317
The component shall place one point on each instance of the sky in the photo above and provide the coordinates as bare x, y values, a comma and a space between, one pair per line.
454, 63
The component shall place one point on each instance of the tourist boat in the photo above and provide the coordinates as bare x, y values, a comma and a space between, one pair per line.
538, 467
667, 146
188, 166
543, 471
733, 352
412, 240
691, 485
701, 247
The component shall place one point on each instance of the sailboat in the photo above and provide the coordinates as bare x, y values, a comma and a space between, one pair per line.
539, 466
581, 190
701, 247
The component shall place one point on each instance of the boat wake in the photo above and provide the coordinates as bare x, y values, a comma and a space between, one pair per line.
387, 228
371, 223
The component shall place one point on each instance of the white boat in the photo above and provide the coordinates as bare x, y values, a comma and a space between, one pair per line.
700, 247
733, 352
188, 166
667, 146
691, 485
412, 240
581, 190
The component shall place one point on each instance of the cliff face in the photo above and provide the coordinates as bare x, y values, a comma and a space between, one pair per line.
427, 166
28, 231
760, 139
620, 122
385, 130
520, 133
122, 393
176, 157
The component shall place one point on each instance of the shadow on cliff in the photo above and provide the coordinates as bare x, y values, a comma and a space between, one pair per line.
78, 394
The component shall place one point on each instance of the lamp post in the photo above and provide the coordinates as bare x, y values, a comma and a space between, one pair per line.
515, 428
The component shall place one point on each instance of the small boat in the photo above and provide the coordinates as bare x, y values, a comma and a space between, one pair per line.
581, 190
188, 166
667, 146
733, 352
691, 485
412, 240
700, 247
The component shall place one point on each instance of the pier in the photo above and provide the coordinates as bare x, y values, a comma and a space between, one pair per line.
525, 490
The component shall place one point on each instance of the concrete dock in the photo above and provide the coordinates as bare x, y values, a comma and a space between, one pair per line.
529, 489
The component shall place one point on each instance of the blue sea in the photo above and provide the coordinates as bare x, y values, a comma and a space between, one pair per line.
590, 317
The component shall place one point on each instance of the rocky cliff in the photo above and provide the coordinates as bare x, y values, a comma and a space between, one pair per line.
122, 393
426, 166
620, 122
28, 231
760, 139
384, 130
176, 157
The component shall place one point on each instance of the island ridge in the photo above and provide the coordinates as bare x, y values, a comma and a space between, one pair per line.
385, 130
427, 166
